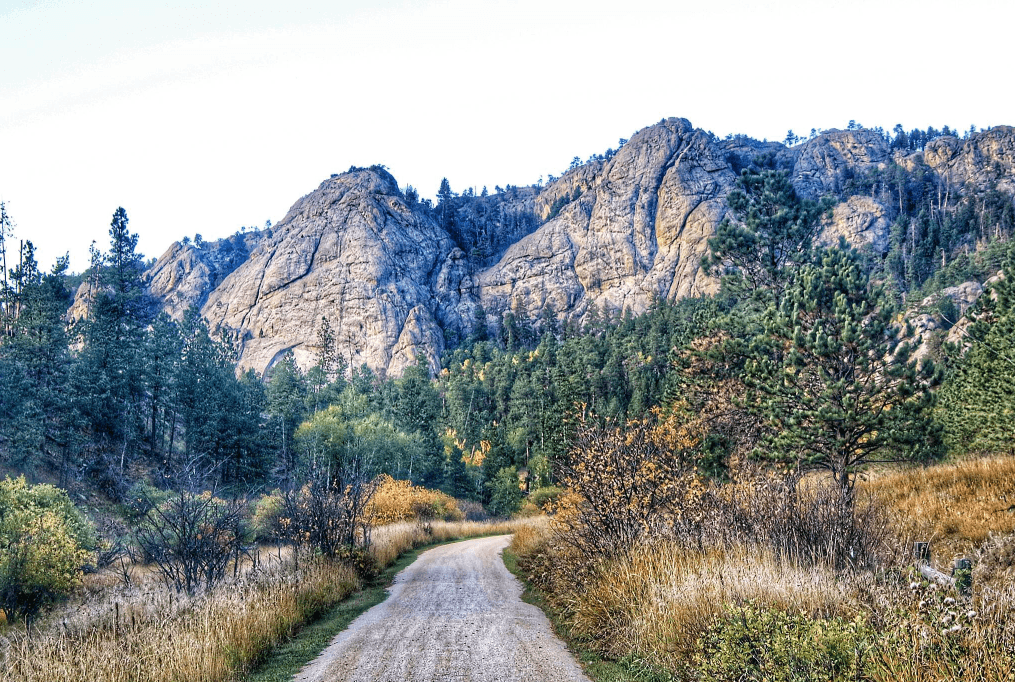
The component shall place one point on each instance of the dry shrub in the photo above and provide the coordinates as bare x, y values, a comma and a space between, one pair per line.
627, 486
809, 524
623, 484
954, 506
396, 501
473, 511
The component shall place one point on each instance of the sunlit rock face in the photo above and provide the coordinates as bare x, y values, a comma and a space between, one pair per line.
982, 160
357, 253
186, 274
636, 229
398, 280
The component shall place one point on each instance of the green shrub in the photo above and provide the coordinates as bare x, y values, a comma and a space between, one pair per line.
544, 496
752, 643
267, 518
360, 560
142, 498
44, 542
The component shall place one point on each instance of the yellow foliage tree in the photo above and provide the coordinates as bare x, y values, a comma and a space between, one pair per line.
396, 500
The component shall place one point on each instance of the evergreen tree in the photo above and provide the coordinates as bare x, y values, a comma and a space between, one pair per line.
36, 413
772, 233
109, 375
285, 397
978, 400
417, 409
832, 383
162, 349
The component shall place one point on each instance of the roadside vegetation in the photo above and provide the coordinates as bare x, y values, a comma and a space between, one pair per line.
128, 623
742, 603
733, 482
760, 524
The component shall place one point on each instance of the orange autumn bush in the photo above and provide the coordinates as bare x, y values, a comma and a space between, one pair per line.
396, 501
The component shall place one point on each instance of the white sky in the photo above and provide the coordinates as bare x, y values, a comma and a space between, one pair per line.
202, 116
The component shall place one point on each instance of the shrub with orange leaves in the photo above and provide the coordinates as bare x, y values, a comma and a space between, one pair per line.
396, 500
623, 483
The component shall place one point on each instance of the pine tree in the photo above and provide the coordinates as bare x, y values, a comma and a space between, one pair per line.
109, 376
285, 394
36, 362
977, 403
772, 233
834, 387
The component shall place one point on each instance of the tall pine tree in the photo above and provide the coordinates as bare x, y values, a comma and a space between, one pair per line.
835, 388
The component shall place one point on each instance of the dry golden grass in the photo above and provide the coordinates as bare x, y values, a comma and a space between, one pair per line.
657, 602
954, 506
149, 633
154, 634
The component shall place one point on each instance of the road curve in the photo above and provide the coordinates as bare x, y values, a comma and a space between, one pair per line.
455, 614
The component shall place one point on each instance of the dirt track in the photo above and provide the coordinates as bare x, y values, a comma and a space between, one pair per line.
454, 614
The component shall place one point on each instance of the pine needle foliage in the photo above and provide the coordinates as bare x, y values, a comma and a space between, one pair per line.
978, 402
834, 385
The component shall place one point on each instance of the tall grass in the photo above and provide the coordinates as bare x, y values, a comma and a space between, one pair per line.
736, 606
149, 633
656, 600
955, 506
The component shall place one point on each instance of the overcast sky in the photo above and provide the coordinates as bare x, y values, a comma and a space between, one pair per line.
203, 116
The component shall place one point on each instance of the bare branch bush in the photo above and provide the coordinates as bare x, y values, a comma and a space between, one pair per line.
623, 486
638, 483
329, 518
191, 537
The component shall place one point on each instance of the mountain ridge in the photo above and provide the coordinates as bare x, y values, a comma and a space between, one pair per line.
399, 279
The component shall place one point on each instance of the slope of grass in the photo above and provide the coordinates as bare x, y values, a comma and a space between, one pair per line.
955, 506
666, 610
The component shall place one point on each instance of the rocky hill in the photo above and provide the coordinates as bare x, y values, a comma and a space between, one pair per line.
398, 279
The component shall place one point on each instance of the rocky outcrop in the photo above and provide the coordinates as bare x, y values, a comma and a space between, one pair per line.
983, 160
861, 221
356, 252
825, 164
634, 230
186, 274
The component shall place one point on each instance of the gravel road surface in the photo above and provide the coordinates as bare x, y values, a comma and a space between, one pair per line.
455, 614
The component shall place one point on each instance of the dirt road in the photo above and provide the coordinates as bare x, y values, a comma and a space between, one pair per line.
454, 614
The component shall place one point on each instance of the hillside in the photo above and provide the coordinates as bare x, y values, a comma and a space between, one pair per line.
398, 278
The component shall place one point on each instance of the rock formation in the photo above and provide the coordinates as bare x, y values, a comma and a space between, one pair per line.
397, 278
388, 279
186, 274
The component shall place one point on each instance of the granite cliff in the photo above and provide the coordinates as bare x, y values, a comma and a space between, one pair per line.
398, 279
